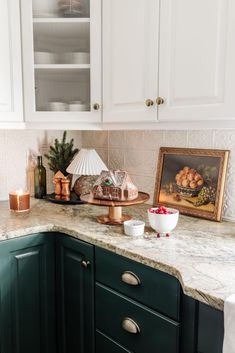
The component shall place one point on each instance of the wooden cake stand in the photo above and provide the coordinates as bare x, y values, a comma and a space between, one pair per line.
115, 215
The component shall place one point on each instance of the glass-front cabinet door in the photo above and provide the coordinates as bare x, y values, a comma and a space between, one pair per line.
62, 60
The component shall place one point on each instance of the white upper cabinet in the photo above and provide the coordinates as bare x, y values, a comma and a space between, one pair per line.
62, 61
163, 61
130, 60
10, 63
197, 60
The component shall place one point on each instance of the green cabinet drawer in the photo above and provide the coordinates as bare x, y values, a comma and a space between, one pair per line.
156, 289
104, 344
116, 315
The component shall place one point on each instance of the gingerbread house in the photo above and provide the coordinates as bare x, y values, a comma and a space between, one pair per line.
115, 185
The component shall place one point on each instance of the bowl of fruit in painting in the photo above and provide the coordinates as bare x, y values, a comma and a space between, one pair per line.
188, 182
163, 219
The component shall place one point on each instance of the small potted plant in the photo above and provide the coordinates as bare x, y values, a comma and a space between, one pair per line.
61, 154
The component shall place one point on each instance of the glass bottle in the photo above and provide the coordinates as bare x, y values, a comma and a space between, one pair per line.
40, 182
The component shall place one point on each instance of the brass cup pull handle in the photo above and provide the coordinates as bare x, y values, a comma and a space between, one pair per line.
96, 106
149, 102
130, 326
85, 264
160, 100
130, 278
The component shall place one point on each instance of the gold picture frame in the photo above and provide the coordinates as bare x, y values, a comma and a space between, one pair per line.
192, 180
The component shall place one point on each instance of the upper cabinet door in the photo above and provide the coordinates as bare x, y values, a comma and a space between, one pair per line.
197, 56
130, 60
62, 60
10, 62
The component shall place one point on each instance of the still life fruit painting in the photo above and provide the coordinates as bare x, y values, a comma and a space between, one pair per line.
192, 180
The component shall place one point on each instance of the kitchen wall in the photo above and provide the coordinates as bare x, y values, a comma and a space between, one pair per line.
18, 149
134, 151
137, 152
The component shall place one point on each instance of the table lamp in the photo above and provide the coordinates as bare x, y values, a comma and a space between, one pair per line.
85, 167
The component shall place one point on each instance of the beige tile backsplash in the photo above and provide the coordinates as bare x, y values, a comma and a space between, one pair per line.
134, 151
137, 152
18, 150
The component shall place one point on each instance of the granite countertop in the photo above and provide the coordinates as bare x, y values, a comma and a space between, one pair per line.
200, 253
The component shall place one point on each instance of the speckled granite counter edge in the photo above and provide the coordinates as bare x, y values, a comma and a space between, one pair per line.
206, 298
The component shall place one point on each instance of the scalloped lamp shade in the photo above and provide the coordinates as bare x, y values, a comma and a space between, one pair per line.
86, 162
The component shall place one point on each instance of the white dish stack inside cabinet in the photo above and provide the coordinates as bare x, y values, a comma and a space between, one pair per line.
62, 60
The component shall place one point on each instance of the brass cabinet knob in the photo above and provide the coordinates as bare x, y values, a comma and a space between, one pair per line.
149, 102
160, 101
85, 264
96, 106
130, 278
130, 326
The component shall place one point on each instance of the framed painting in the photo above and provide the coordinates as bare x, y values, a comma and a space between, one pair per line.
192, 180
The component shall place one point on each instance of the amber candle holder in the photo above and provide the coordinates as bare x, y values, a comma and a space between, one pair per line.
19, 201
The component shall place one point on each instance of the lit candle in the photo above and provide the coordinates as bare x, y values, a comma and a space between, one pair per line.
19, 200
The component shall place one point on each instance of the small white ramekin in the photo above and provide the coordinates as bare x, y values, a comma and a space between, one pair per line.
134, 227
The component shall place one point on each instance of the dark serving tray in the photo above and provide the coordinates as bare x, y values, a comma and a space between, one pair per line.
74, 199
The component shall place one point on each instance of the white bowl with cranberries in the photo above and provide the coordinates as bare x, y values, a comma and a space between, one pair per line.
163, 219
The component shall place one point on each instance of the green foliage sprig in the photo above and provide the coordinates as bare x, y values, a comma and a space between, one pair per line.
61, 154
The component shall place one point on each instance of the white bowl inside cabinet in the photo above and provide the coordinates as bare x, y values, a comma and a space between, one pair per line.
44, 57
80, 58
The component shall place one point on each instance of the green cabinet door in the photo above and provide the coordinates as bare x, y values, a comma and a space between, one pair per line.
210, 330
75, 295
27, 310
202, 328
189, 323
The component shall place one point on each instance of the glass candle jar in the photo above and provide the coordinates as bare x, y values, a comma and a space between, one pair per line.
19, 201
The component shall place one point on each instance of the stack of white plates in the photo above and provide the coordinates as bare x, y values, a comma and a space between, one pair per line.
73, 106
77, 106
58, 106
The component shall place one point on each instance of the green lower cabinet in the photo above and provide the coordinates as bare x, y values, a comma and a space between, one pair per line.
27, 295
155, 289
46, 296
202, 328
75, 295
105, 344
189, 325
210, 329
133, 325
47, 288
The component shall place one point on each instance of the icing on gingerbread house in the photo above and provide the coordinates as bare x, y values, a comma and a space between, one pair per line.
114, 185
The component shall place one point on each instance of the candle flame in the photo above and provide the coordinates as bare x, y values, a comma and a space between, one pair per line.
19, 192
